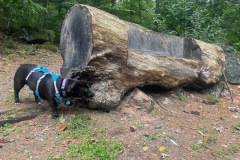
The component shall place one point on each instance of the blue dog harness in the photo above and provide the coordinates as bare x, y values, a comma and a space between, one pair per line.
45, 70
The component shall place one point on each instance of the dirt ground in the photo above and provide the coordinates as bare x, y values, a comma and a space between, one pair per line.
186, 129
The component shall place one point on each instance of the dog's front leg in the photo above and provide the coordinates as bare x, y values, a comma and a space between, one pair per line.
54, 107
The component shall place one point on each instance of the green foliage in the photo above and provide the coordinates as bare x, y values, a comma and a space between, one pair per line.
100, 149
182, 97
80, 125
234, 149
136, 11
212, 98
17, 13
10, 44
237, 126
26, 50
47, 46
208, 20
204, 144
6, 129
8, 51
91, 145
225, 153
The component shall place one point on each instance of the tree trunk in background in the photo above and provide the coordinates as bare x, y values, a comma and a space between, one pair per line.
116, 56
157, 9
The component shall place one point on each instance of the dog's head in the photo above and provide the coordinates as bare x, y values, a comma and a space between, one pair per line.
78, 89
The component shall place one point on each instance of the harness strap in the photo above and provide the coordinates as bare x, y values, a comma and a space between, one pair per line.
54, 77
29, 74
45, 70
38, 82
58, 98
38, 69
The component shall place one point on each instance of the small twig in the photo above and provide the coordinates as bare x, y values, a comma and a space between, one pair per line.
162, 106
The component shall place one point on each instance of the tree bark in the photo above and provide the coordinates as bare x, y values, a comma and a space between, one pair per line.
116, 56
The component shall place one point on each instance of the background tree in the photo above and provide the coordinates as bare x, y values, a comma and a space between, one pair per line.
209, 20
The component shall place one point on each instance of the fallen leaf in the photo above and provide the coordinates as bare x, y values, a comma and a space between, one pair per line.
145, 148
70, 140
63, 127
162, 148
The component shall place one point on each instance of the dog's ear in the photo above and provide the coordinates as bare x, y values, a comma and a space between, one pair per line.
76, 84
81, 82
75, 77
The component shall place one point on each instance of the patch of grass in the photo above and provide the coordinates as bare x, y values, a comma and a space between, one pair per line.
211, 98
155, 112
147, 138
100, 149
48, 46
91, 144
199, 146
6, 129
224, 153
26, 50
10, 44
237, 126
182, 97
80, 126
211, 140
8, 51
103, 130
54, 157
27, 153
152, 136
234, 149
202, 131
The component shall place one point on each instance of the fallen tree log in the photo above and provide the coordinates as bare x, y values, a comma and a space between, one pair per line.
116, 56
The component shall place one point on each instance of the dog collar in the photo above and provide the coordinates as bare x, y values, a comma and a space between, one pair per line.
63, 87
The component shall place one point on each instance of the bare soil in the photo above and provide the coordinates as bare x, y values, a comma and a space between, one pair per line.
185, 129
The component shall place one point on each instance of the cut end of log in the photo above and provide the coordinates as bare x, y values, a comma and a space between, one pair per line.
76, 39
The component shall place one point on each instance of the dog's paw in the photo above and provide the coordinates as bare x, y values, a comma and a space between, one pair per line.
17, 102
39, 103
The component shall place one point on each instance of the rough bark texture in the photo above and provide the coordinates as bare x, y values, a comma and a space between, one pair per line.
232, 70
116, 56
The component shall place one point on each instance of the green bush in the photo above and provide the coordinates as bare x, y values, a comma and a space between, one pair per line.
8, 51
10, 44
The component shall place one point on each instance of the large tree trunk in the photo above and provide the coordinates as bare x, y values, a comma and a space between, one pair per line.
116, 56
